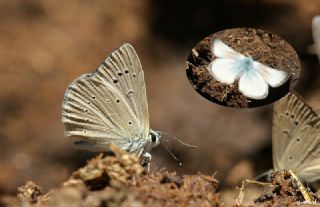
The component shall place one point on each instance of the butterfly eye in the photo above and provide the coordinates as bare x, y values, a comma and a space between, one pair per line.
290, 158
153, 138
115, 81
287, 177
126, 71
296, 123
298, 140
120, 74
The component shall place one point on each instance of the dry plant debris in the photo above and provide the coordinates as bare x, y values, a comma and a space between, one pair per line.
284, 191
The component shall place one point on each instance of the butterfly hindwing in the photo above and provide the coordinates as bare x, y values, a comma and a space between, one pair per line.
252, 85
108, 105
296, 137
273, 77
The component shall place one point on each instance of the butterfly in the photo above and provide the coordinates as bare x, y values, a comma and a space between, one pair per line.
254, 77
316, 33
296, 138
110, 106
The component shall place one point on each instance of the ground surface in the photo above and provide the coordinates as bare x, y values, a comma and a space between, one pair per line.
120, 180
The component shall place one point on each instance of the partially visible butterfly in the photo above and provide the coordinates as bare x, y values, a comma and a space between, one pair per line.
110, 106
296, 138
316, 33
254, 77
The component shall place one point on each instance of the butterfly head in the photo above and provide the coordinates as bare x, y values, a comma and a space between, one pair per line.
155, 138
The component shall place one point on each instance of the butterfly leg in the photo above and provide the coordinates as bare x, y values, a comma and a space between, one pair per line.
240, 198
146, 160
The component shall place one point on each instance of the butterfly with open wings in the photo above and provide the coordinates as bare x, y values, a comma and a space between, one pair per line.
254, 77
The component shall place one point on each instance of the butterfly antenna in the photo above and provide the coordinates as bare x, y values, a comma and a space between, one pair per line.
178, 140
266, 174
174, 157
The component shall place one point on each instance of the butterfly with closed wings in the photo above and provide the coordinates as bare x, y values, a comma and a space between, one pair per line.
110, 106
254, 77
316, 34
296, 138
295, 143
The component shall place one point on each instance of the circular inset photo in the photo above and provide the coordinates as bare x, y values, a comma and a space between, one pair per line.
243, 67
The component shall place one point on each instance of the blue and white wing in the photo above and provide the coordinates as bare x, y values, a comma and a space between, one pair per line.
273, 77
252, 85
221, 50
224, 68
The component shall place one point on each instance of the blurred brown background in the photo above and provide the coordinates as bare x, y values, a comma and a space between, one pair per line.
45, 44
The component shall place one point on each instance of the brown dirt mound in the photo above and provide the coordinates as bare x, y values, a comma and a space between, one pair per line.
122, 181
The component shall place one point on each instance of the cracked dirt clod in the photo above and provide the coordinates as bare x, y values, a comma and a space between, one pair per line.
30, 192
115, 171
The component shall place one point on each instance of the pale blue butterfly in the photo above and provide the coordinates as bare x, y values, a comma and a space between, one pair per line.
254, 77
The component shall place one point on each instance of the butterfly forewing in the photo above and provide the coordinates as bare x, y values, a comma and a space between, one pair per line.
221, 50
123, 65
295, 137
110, 104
